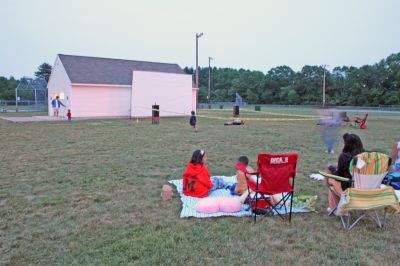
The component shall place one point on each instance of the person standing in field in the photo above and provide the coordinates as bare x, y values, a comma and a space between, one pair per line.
193, 121
56, 104
69, 115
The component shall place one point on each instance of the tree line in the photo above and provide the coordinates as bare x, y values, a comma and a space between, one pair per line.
368, 85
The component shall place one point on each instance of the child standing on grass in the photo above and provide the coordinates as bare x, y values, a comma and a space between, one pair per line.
69, 115
192, 121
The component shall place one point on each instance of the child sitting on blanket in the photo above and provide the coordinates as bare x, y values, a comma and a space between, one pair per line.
240, 187
197, 181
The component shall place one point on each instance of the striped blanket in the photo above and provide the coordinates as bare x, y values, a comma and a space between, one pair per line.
366, 199
189, 203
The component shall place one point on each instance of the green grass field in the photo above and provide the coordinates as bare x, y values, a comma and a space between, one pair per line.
89, 193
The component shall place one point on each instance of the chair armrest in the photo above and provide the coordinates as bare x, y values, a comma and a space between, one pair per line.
252, 173
335, 177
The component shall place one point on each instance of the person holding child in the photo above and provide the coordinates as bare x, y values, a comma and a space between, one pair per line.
197, 181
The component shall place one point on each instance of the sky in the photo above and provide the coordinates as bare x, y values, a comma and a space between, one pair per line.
253, 34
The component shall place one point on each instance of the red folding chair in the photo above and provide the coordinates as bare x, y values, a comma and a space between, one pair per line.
361, 122
275, 175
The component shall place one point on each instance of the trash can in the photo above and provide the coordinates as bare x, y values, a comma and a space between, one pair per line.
221, 107
236, 111
155, 119
257, 108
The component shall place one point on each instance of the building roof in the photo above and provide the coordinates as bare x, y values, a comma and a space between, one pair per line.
96, 70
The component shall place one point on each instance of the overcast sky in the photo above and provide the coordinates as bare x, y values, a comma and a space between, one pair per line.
253, 34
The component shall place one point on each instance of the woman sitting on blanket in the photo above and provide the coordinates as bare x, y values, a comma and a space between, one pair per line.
352, 147
197, 181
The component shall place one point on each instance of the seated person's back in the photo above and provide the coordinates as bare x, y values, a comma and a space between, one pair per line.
241, 166
196, 178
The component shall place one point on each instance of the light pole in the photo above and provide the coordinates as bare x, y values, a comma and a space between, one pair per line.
209, 78
198, 35
323, 88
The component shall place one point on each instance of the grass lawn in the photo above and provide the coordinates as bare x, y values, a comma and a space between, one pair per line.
89, 193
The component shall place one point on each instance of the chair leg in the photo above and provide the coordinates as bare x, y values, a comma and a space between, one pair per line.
332, 212
255, 214
375, 218
384, 218
345, 224
291, 202
356, 221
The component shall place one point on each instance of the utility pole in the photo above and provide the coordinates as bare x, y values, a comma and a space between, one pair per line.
198, 35
323, 88
16, 99
209, 78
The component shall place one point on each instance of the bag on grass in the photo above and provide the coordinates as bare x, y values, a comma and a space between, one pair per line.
306, 202
392, 179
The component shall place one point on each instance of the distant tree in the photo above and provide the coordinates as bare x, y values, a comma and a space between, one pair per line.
372, 85
7, 88
44, 71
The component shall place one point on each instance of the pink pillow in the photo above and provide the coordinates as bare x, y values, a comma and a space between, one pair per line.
218, 204
229, 205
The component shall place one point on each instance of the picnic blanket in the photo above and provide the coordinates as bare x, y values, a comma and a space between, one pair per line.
189, 203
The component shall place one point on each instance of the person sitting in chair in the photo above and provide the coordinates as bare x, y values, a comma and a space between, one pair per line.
352, 147
396, 157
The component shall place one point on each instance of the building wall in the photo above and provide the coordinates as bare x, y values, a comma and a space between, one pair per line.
173, 92
100, 101
59, 84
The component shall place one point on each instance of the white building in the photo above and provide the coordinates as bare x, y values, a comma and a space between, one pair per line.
104, 87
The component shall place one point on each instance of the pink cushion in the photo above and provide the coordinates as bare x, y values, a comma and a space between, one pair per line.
218, 204
207, 205
229, 205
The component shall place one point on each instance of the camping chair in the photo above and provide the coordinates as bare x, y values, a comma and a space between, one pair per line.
366, 197
275, 175
361, 122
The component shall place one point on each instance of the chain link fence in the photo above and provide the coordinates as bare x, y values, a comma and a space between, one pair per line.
23, 106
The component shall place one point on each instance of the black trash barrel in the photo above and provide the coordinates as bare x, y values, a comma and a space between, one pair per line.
236, 111
155, 118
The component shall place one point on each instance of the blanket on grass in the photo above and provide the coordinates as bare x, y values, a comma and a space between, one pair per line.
189, 203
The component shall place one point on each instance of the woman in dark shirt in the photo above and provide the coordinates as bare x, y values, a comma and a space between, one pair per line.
352, 147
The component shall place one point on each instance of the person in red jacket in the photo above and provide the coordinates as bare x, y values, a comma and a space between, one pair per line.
196, 178
69, 115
